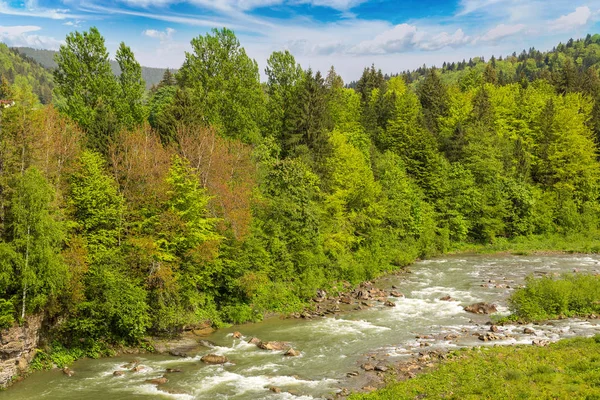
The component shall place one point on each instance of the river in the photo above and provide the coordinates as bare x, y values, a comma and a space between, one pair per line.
331, 347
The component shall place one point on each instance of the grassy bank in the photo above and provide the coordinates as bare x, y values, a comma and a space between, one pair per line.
583, 242
569, 369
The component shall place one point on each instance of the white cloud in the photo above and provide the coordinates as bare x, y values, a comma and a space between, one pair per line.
470, 6
405, 37
501, 31
576, 19
32, 10
163, 36
246, 5
18, 30
444, 39
74, 23
400, 38
20, 36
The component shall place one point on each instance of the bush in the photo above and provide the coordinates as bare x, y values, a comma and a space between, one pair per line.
547, 298
7, 311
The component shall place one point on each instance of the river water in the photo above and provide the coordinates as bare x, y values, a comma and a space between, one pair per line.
331, 347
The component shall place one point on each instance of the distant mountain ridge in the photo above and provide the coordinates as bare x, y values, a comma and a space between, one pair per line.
152, 76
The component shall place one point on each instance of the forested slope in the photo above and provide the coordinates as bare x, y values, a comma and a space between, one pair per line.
20, 70
221, 197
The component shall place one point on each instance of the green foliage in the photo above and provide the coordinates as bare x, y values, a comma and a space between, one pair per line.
129, 105
97, 207
226, 85
548, 297
567, 369
31, 269
239, 199
86, 89
7, 312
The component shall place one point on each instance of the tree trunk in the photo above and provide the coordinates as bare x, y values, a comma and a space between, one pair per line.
24, 272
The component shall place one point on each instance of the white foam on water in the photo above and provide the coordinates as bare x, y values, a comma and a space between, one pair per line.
149, 389
339, 326
408, 308
436, 292
264, 367
241, 384
433, 261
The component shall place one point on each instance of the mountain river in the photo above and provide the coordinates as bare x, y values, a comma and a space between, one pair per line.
332, 346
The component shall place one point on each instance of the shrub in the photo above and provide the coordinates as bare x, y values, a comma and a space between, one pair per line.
550, 297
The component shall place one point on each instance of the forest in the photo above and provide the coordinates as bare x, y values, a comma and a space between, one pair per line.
217, 197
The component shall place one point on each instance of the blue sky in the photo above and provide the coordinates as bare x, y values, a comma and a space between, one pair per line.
348, 34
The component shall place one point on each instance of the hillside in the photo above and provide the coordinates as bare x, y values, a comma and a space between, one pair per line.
152, 76
14, 65
574, 58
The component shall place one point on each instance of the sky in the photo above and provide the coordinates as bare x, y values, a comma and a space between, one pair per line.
350, 35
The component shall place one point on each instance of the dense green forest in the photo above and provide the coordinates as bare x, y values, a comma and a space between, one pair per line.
152, 76
218, 197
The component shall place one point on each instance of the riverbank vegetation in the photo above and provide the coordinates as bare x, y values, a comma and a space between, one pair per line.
548, 297
218, 197
569, 369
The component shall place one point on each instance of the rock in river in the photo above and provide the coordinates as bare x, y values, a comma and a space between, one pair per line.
214, 359
481, 308
273, 345
292, 353
158, 381
254, 340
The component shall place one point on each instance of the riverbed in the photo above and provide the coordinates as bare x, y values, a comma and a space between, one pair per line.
331, 347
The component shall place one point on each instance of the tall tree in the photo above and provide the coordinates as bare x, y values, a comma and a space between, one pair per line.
434, 100
130, 107
283, 77
311, 119
226, 84
86, 88
34, 243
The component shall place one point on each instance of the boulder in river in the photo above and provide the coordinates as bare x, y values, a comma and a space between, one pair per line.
172, 370
138, 368
118, 373
273, 345
292, 353
396, 294
237, 335
488, 337
389, 304
528, 331
158, 381
481, 308
214, 359
274, 389
446, 298
254, 340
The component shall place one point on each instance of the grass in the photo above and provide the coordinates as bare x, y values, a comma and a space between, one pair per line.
569, 369
585, 242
